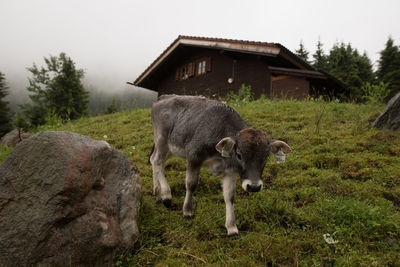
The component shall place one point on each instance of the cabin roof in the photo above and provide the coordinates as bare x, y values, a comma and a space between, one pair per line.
241, 46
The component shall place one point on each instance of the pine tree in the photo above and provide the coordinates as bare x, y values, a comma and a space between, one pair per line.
364, 65
5, 118
21, 124
112, 108
57, 89
389, 67
320, 59
346, 64
302, 52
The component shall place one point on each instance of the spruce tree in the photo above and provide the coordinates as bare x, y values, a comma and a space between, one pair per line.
112, 108
302, 52
5, 118
389, 67
346, 64
21, 124
364, 65
319, 58
57, 88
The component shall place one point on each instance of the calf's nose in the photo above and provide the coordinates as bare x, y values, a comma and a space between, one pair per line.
253, 187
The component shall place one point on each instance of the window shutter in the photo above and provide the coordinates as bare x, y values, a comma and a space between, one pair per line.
196, 67
208, 64
178, 70
190, 69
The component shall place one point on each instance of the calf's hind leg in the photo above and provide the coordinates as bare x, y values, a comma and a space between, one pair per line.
192, 178
161, 188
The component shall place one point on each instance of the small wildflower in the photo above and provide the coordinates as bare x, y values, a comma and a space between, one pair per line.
329, 239
105, 136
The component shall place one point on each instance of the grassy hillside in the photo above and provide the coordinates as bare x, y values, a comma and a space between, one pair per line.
342, 179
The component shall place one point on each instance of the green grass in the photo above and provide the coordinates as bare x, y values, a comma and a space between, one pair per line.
4, 151
342, 179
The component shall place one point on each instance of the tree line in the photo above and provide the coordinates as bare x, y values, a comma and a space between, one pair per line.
355, 70
56, 90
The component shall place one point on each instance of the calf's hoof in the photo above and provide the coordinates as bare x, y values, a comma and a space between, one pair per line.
187, 214
188, 217
232, 231
167, 203
233, 235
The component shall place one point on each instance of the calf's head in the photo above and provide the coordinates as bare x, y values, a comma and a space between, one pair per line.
248, 152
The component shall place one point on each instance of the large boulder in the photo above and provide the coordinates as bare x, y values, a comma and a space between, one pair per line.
390, 117
14, 137
66, 200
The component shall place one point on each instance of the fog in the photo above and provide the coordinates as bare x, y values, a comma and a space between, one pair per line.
114, 41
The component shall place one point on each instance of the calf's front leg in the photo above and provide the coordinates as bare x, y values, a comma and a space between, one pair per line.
229, 188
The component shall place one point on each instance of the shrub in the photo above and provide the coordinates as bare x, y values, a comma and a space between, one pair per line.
375, 93
244, 95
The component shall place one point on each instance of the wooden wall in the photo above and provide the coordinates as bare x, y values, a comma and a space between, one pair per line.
244, 68
247, 69
284, 86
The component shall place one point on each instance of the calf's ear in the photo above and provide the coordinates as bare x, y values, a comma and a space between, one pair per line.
280, 149
277, 145
225, 146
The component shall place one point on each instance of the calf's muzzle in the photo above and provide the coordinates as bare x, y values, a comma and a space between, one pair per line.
253, 187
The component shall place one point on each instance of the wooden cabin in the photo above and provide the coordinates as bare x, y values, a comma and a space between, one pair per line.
213, 67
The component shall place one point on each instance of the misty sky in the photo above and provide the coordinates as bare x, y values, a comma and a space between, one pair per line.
114, 41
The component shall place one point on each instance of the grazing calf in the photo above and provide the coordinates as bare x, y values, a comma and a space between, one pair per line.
211, 133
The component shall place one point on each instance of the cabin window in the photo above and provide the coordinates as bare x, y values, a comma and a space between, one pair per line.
201, 67
196, 68
183, 75
184, 72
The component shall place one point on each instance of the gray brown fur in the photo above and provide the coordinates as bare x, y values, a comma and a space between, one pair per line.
207, 132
